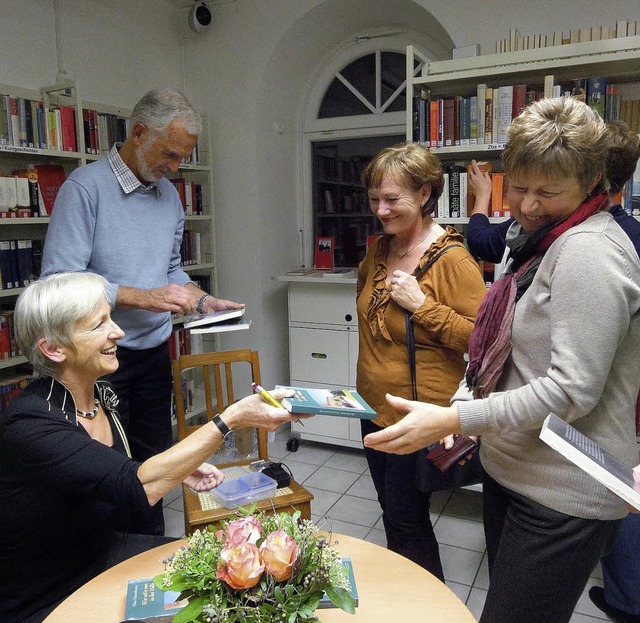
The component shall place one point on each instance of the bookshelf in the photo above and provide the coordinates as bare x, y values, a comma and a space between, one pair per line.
109, 123
617, 60
340, 202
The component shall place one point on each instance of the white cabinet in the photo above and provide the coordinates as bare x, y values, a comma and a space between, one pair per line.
323, 348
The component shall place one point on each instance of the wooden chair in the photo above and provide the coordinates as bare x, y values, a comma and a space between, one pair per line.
215, 371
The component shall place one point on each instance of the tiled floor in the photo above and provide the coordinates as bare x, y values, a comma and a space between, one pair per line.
345, 502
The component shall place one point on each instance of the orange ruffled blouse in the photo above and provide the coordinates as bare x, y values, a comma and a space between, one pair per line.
454, 287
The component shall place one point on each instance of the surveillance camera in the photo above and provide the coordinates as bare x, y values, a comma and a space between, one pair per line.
199, 16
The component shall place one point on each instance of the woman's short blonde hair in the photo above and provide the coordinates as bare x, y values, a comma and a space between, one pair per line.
409, 165
557, 137
50, 308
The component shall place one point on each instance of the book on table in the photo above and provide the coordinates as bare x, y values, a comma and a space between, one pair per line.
224, 315
145, 601
329, 401
591, 458
325, 602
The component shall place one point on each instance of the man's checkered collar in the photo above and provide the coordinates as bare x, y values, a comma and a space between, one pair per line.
127, 180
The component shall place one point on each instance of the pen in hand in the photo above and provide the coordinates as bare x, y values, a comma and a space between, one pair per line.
267, 397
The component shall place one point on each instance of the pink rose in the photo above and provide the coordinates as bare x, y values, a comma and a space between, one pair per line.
245, 529
279, 553
242, 566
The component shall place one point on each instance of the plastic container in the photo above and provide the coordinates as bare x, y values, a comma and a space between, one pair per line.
246, 489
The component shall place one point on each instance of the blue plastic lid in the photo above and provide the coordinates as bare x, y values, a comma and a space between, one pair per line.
232, 487
257, 480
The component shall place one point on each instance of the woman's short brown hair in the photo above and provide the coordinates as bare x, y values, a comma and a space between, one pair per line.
410, 165
557, 137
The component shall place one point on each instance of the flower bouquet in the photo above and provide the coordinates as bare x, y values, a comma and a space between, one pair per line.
257, 569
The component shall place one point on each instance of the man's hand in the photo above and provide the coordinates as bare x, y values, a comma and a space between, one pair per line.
212, 304
169, 298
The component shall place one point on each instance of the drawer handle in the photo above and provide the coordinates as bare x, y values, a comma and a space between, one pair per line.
318, 355
348, 317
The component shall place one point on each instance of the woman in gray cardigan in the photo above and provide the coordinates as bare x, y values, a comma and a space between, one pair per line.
559, 333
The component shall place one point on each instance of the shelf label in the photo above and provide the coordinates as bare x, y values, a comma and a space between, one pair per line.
20, 149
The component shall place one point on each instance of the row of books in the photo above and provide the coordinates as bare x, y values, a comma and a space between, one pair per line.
190, 195
353, 202
455, 197
8, 344
191, 249
27, 123
483, 118
329, 168
31, 191
20, 262
179, 343
188, 392
515, 42
11, 387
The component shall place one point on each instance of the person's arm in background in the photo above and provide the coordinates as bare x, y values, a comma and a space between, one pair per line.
486, 241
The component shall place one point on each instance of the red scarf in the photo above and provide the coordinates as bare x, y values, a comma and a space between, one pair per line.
490, 343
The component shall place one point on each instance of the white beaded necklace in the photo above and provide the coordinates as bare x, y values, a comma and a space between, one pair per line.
90, 414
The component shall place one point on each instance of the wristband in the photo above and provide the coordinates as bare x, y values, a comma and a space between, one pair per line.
222, 427
203, 298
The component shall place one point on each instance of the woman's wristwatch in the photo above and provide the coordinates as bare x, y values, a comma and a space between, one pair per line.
203, 298
222, 427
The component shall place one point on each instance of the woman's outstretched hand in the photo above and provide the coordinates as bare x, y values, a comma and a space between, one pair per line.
422, 425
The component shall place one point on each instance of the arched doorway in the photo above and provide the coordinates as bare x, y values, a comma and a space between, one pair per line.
364, 105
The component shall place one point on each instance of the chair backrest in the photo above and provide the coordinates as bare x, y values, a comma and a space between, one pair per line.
216, 371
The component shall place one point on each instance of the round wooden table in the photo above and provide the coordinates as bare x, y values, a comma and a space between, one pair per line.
390, 588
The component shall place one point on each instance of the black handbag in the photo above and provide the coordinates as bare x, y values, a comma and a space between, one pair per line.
429, 477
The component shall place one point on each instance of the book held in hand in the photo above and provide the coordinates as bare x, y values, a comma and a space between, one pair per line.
199, 320
590, 457
235, 324
338, 402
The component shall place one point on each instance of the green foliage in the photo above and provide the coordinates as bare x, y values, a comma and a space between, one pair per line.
199, 573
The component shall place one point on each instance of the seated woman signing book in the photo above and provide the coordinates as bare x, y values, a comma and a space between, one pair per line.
67, 482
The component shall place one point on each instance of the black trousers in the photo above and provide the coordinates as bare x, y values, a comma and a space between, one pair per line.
405, 510
539, 559
143, 383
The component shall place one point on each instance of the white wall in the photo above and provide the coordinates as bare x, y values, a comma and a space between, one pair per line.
252, 69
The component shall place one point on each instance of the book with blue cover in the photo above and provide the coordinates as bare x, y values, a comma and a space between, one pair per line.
145, 601
325, 602
337, 402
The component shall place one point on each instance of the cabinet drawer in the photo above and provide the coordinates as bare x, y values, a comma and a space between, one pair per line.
337, 428
320, 355
323, 303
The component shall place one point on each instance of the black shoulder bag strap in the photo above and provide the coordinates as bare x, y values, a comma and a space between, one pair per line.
411, 338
